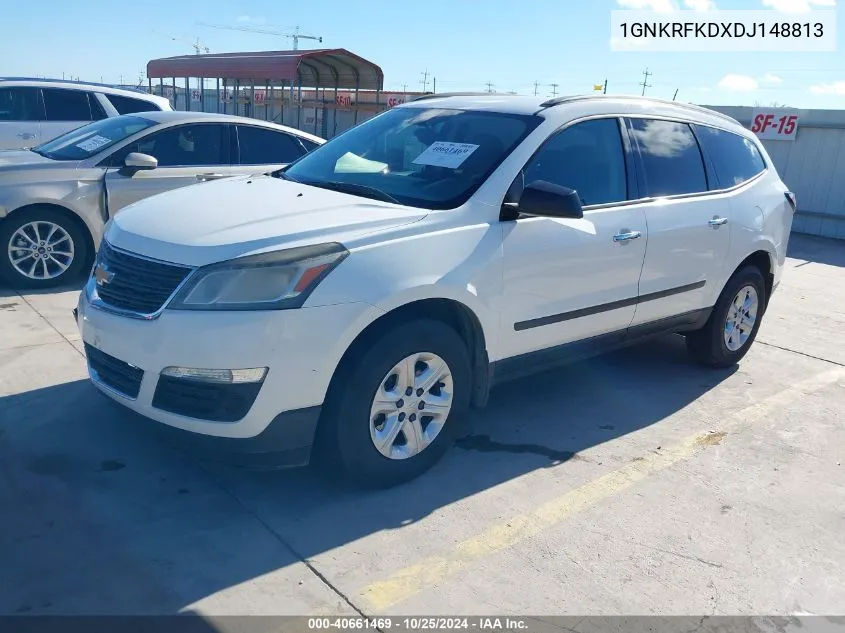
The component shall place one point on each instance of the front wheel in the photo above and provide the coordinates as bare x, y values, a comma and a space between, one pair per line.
40, 248
733, 324
394, 413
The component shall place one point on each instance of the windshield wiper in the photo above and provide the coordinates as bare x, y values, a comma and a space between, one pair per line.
355, 189
280, 173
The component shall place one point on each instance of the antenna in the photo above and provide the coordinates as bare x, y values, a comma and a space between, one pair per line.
295, 36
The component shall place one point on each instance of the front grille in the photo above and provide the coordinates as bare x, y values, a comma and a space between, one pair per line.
114, 373
136, 284
217, 402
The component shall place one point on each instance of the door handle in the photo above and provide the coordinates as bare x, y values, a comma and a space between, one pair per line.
210, 176
717, 221
626, 235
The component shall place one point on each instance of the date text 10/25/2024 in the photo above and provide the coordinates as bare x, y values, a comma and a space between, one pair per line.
424, 623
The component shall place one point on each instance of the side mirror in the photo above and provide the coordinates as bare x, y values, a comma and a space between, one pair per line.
135, 161
549, 200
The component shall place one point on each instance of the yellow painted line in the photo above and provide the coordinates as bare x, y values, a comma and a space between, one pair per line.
434, 570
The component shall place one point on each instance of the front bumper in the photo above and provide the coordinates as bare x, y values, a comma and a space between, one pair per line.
301, 349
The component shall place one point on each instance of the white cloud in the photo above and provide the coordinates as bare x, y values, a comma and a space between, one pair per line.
798, 6
700, 5
833, 88
738, 83
249, 19
771, 80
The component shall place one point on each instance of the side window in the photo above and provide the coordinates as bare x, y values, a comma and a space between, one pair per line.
97, 111
128, 105
182, 146
670, 156
66, 105
587, 157
308, 145
735, 158
260, 146
20, 104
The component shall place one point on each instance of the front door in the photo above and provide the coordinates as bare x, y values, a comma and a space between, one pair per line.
567, 280
187, 154
688, 230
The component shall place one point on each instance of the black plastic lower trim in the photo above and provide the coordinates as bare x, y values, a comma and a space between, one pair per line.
605, 307
204, 400
285, 443
550, 358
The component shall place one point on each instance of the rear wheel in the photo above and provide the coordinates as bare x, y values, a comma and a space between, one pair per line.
41, 248
733, 324
394, 412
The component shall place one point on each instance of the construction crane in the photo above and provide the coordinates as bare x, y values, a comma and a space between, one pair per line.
295, 36
196, 45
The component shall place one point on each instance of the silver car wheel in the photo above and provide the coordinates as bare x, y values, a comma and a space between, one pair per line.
742, 315
411, 405
41, 250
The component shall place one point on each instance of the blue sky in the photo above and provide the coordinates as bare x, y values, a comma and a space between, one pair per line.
463, 43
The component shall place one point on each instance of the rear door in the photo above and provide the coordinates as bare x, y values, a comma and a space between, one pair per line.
263, 149
688, 227
21, 116
187, 154
66, 110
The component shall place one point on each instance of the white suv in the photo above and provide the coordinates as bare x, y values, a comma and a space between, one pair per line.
34, 111
357, 302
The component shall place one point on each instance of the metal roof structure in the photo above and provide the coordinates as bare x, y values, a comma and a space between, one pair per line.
321, 68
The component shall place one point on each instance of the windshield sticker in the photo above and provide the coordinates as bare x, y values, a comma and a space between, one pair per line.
90, 144
443, 154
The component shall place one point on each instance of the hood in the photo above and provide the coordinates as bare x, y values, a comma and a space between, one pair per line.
219, 220
24, 158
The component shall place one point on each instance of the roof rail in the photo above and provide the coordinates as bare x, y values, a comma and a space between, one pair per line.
438, 95
687, 106
74, 82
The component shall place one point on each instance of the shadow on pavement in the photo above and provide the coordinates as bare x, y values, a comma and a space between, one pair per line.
101, 517
822, 250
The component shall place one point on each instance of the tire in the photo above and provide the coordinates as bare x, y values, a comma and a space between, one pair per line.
346, 442
66, 236
712, 345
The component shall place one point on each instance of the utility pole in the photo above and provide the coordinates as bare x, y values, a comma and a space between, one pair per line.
536, 85
404, 87
676, 94
604, 92
424, 80
645, 83
489, 86
434, 84
554, 89
121, 79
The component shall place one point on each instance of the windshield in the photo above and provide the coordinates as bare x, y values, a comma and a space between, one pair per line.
85, 141
423, 157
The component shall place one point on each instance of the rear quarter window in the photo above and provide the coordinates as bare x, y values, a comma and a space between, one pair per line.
735, 158
128, 105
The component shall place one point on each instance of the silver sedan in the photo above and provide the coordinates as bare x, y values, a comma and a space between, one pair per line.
56, 198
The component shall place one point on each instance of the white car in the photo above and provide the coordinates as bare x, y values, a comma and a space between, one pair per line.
355, 305
34, 111
55, 198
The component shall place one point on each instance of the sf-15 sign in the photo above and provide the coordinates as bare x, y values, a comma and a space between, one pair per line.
774, 125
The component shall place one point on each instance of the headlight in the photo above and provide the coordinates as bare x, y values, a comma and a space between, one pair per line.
269, 281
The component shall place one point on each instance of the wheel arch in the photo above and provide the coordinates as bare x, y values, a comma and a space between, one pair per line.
762, 259
452, 312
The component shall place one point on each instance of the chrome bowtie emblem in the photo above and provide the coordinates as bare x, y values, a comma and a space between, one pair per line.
103, 275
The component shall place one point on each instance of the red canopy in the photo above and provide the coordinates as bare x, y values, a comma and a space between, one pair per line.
322, 68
